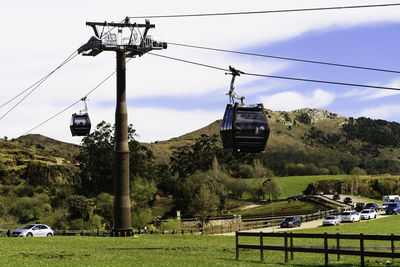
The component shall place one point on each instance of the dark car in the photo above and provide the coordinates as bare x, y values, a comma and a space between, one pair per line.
336, 197
393, 208
373, 206
347, 200
291, 222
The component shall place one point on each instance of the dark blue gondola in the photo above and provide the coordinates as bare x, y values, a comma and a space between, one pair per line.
80, 124
244, 128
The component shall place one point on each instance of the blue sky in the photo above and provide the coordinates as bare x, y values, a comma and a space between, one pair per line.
168, 98
373, 46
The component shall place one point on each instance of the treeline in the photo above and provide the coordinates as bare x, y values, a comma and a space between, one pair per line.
375, 187
376, 132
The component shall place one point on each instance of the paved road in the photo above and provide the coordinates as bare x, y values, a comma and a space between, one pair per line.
304, 225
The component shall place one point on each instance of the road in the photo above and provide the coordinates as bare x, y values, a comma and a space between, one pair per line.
304, 225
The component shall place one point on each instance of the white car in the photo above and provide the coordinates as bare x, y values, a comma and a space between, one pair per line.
331, 220
33, 230
350, 216
367, 214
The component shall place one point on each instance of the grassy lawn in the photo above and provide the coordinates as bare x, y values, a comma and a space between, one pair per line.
178, 250
293, 185
279, 209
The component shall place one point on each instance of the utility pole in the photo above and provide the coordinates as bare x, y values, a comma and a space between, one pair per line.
137, 44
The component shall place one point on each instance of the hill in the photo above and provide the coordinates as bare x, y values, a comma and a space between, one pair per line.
37, 160
312, 137
315, 136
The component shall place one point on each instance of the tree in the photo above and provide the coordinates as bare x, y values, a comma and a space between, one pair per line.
186, 191
206, 203
79, 207
96, 160
272, 188
186, 160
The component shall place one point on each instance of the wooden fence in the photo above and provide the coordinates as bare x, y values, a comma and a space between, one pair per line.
325, 249
245, 224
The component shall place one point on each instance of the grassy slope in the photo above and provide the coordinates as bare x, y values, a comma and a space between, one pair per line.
279, 209
175, 250
280, 138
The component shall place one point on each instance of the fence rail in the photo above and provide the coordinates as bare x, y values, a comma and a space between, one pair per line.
210, 229
325, 249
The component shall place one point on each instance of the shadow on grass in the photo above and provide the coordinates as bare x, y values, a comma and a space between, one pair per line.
290, 263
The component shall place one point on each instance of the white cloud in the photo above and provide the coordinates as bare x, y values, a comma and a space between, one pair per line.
380, 93
292, 100
48, 31
386, 112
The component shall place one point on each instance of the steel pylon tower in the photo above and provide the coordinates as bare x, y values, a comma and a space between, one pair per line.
137, 44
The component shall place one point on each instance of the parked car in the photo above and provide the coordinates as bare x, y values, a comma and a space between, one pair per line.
372, 206
393, 208
336, 197
367, 214
359, 206
331, 220
33, 230
347, 200
350, 216
291, 222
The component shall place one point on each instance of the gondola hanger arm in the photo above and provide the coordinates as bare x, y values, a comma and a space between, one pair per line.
232, 95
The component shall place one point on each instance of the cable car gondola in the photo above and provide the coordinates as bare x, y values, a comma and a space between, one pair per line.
80, 123
244, 128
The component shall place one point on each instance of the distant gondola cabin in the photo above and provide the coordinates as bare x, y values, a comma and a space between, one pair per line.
80, 124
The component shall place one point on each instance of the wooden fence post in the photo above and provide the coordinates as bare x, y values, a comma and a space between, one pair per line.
392, 243
326, 248
338, 245
291, 246
362, 249
237, 248
286, 247
261, 246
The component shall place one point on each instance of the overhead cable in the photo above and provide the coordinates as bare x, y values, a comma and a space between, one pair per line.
264, 11
281, 77
285, 58
36, 85
76, 102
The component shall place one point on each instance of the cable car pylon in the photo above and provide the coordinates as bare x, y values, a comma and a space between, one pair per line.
137, 44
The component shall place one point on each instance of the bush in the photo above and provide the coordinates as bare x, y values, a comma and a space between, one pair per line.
28, 209
237, 187
78, 207
170, 224
358, 171
104, 208
246, 171
141, 217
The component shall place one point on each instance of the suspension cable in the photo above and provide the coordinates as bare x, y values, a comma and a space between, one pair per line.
36, 85
285, 58
76, 102
281, 77
264, 11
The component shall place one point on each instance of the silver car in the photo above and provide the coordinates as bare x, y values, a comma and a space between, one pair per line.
367, 214
331, 220
33, 230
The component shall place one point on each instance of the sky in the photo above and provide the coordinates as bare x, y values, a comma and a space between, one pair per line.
167, 98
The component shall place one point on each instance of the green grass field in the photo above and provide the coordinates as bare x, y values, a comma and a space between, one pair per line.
279, 209
176, 250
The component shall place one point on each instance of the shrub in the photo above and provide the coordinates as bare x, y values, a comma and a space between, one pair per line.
170, 224
246, 171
